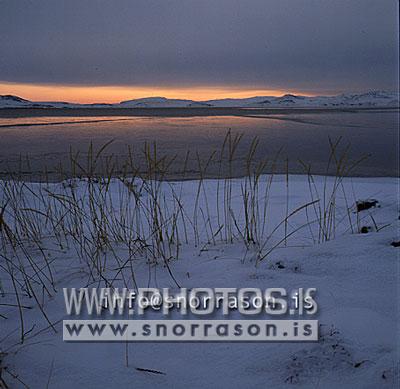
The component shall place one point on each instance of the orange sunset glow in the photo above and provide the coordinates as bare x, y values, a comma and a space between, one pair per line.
115, 94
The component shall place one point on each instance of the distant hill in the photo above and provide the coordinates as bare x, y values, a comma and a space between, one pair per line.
368, 99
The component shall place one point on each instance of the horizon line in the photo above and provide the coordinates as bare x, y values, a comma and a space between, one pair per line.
117, 94
101, 94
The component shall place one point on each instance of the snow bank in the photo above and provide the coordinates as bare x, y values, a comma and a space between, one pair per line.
356, 276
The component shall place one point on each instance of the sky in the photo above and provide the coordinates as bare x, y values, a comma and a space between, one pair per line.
108, 51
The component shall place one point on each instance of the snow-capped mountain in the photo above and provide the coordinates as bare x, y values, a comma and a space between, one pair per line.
369, 99
161, 102
13, 101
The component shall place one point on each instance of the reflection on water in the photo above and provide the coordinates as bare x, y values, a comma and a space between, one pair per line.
302, 136
49, 121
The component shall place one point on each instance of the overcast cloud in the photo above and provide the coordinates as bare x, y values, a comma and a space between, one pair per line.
313, 45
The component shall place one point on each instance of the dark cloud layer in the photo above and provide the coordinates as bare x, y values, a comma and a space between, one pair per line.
298, 44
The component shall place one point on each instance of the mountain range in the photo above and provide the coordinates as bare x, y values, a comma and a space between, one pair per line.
368, 99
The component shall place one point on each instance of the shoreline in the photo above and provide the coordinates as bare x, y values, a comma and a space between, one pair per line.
176, 178
179, 112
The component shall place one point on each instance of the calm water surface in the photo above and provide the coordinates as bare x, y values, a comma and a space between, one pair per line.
47, 141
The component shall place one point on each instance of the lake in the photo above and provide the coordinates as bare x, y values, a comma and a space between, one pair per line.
44, 138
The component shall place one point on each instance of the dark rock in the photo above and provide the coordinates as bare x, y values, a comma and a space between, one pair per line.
362, 205
395, 244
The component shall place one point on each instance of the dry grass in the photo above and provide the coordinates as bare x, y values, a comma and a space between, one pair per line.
146, 218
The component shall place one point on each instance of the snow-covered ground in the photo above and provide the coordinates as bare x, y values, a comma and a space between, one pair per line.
356, 276
369, 99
